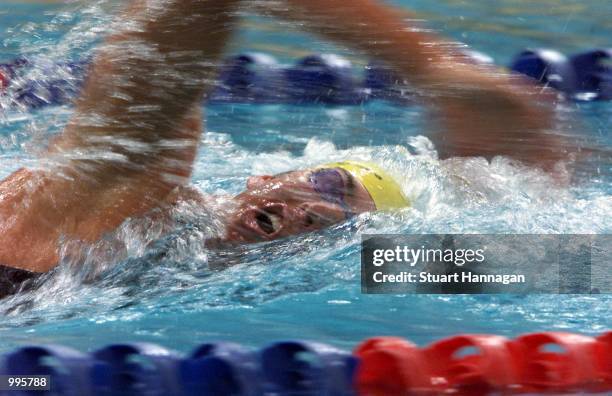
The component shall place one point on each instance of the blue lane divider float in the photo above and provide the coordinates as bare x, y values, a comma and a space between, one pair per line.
594, 73
221, 369
379, 366
286, 368
249, 78
323, 78
585, 76
137, 369
38, 92
70, 371
320, 78
307, 368
547, 66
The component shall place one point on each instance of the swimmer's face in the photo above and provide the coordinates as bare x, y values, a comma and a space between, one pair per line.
295, 202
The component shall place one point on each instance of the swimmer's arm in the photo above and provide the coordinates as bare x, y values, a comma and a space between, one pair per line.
144, 81
480, 111
132, 138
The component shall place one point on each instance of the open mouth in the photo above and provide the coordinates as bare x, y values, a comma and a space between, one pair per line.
268, 222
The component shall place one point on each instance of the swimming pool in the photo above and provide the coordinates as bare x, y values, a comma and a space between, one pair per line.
161, 290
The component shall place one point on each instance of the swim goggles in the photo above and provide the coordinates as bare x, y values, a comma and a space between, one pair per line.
331, 186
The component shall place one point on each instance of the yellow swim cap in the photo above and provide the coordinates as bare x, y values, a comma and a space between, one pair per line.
383, 189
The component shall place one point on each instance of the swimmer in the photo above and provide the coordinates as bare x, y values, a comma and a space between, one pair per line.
301, 201
131, 143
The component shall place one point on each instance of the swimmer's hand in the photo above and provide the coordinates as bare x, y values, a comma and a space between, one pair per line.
490, 113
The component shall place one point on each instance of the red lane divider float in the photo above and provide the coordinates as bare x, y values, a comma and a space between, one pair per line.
390, 366
557, 362
604, 361
473, 364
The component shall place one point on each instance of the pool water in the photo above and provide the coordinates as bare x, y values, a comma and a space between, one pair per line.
144, 285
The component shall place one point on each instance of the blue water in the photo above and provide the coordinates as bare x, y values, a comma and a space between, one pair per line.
140, 285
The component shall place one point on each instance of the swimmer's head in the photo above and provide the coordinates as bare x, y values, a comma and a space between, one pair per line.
296, 202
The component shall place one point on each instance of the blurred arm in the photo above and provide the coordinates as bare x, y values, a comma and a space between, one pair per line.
479, 111
132, 138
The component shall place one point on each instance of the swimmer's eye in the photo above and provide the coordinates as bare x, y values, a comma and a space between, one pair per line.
314, 220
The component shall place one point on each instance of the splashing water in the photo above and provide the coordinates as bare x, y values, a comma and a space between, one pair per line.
153, 279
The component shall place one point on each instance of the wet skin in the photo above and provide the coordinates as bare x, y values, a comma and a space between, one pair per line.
274, 207
481, 111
